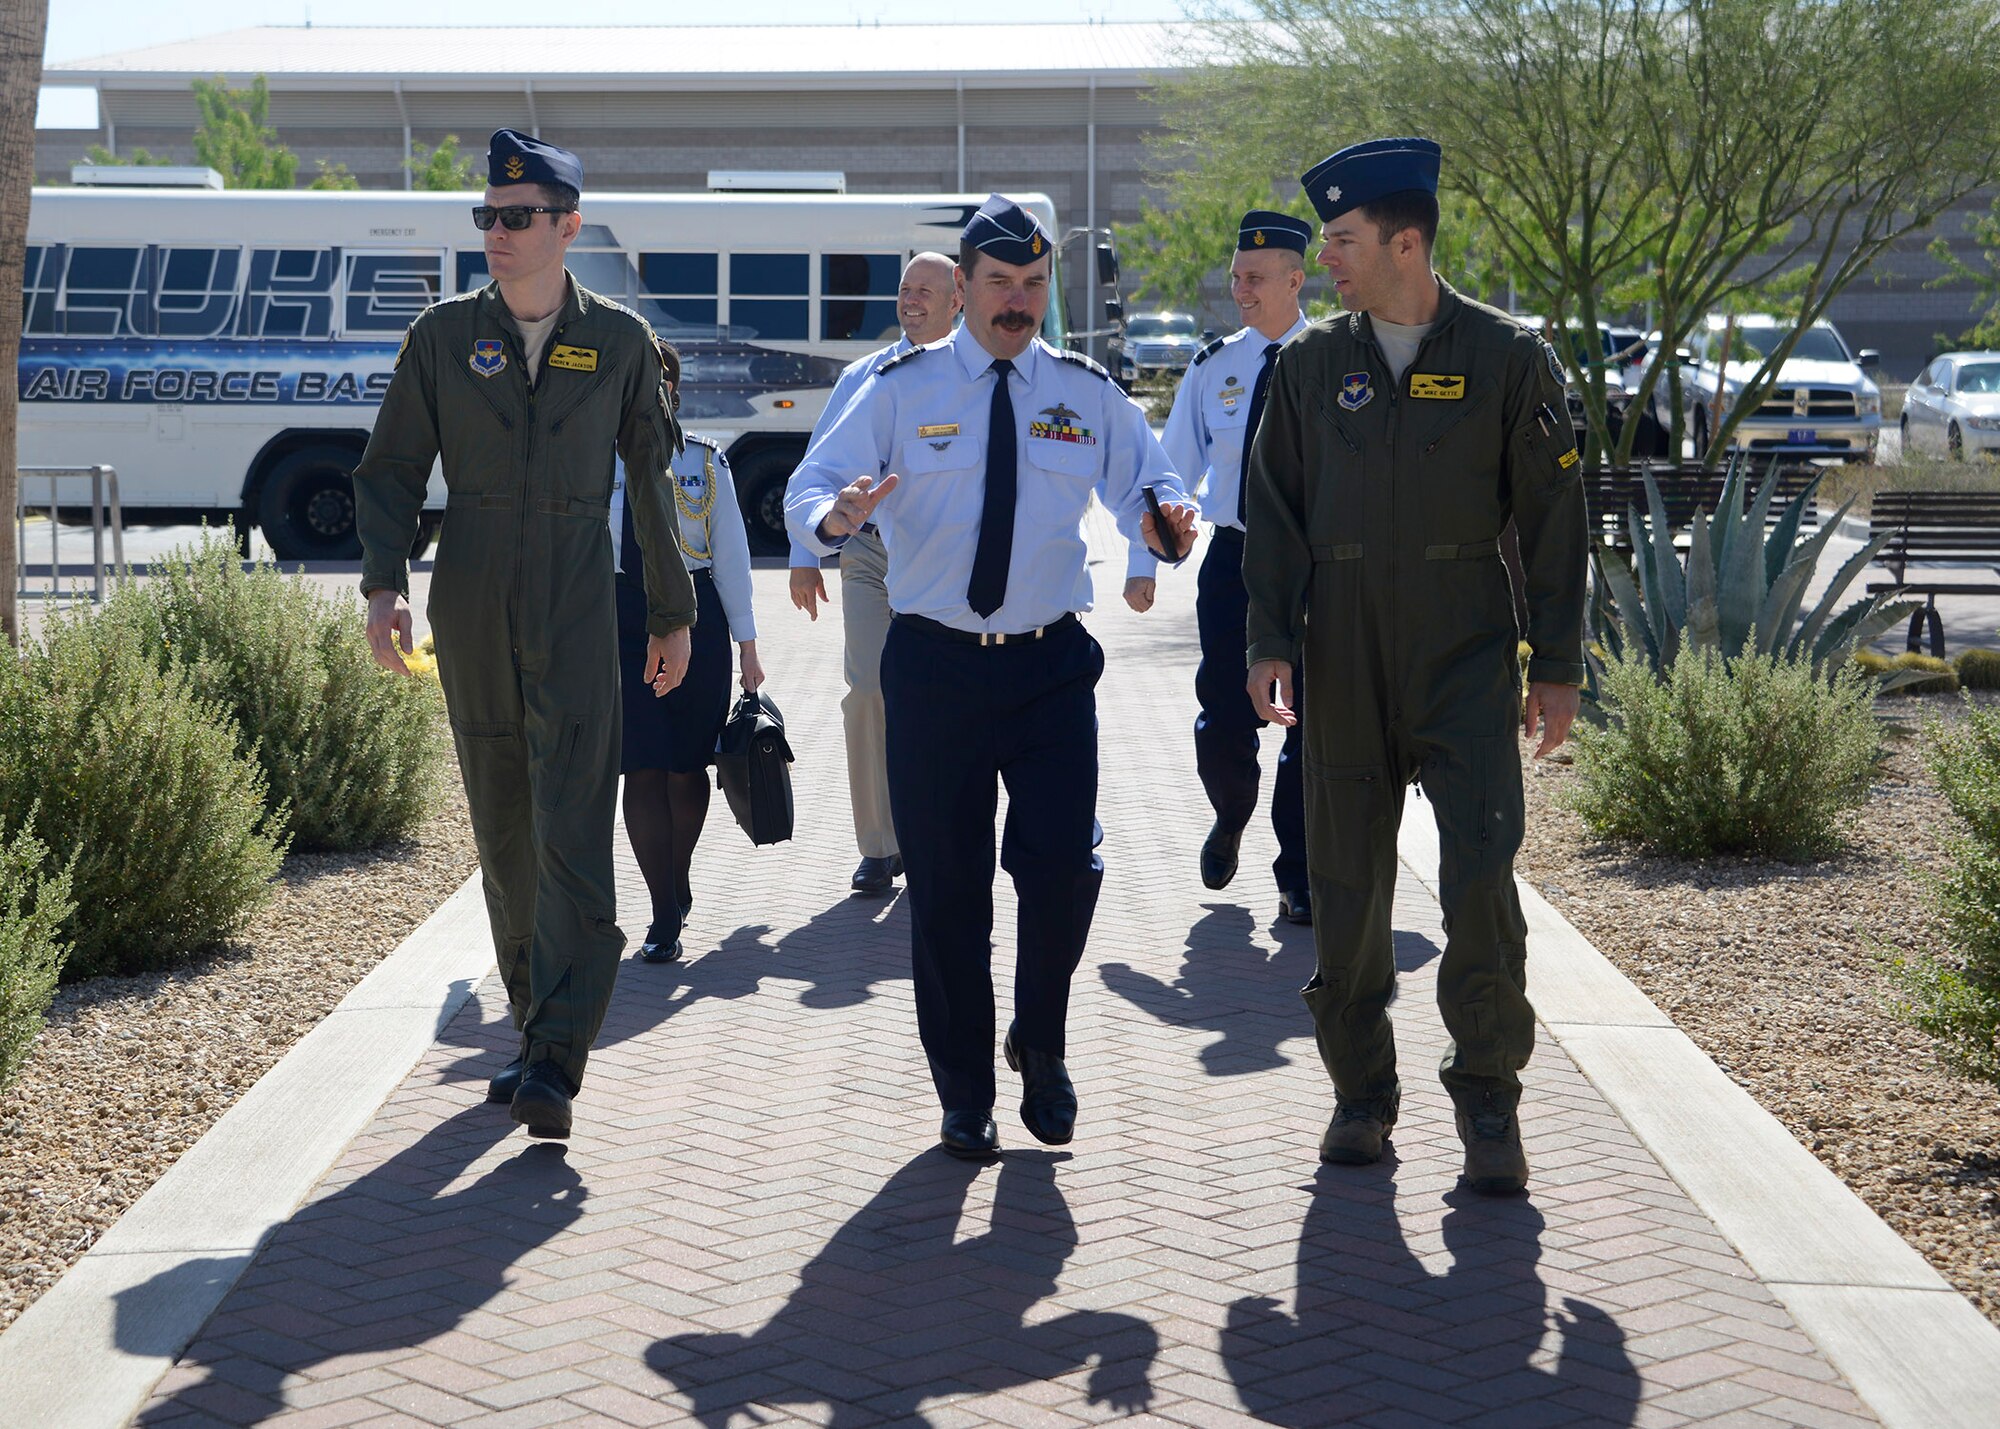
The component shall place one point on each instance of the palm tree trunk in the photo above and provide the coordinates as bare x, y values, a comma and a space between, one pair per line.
23, 29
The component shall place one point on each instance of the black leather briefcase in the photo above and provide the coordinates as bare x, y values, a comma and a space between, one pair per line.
753, 768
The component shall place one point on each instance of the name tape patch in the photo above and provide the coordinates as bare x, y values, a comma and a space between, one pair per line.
939, 429
1437, 387
572, 359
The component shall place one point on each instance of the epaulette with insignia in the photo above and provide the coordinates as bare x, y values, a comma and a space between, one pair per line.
1208, 350
1081, 361
900, 358
696, 439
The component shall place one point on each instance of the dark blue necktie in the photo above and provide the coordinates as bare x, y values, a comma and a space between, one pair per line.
1257, 394
988, 588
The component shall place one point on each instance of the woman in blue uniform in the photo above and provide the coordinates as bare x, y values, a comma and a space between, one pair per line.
670, 740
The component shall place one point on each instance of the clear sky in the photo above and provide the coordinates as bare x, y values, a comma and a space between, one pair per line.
80, 29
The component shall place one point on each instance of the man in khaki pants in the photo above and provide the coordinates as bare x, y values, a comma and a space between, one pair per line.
927, 305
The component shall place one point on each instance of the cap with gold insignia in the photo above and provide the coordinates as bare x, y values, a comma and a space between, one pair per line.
1362, 173
1263, 228
516, 158
1005, 230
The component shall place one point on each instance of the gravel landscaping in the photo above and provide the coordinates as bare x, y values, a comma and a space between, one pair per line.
130, 1072
1775, 971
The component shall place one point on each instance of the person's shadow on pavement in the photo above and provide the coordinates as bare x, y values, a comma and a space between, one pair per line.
896, 1310
841, 954
1373, 1330
1228, 984
394, 1232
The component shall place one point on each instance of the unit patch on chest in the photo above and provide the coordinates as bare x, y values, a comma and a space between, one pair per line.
1437, 388
489, 357
1357, 389
1062, 426
573, 359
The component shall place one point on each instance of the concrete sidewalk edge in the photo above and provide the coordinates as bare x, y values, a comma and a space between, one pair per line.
1919, 1354
90, 1350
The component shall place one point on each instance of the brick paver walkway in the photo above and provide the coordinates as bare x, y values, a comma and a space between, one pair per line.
751, 1225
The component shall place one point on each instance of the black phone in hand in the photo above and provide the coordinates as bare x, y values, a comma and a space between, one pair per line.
1170, 546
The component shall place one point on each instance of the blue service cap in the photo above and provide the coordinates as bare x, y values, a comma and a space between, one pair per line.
1008, 232
1263, 228
516, 158
1363, 173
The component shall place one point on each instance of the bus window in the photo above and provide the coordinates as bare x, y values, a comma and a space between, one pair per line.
1054, 331
606, 272
104, 290
386, 291
757, 283
290, 293
41, 280
197, 296
677, 291
472, 272
858, 296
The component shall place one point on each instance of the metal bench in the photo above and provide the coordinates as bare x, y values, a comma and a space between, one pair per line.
1955, 531
1609, 491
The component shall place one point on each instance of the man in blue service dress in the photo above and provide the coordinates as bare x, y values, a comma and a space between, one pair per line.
1208, 433
976, 458
1401, 437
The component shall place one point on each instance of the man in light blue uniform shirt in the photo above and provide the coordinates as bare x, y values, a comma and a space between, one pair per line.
1208, 435
927, 306
976, 457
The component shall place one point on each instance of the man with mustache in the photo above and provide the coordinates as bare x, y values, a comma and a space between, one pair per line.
977, 457
927, 305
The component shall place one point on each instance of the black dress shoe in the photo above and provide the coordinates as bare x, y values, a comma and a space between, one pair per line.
660, 952
877, 875
1048, 1097
542, 1102
1218, 855
1295, 905
506, 1081
970, 1135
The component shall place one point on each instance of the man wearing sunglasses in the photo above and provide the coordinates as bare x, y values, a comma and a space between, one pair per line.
526, 389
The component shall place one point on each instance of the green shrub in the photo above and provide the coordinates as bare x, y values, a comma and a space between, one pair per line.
1978, 669
1874, 662
1942, 678
34, 904
350, 751
1755, 755
136, 787
1955, 997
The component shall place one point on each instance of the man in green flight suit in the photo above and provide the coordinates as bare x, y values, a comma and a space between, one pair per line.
1399, 438
527, 388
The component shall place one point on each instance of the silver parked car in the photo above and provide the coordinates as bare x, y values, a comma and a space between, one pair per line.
1953, 408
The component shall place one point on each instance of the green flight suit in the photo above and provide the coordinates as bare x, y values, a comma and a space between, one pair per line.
524, 615
1374, 512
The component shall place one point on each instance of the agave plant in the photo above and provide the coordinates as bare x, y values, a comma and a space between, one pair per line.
1738, 582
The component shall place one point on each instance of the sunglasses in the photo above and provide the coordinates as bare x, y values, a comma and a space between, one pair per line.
513, 218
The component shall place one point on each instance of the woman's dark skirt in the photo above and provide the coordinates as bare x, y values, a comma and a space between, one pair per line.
677, 732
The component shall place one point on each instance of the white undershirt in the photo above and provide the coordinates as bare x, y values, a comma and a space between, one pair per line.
534, 339
1399, 344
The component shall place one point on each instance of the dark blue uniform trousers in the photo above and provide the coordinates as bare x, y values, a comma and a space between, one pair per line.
961, 718
1225, 732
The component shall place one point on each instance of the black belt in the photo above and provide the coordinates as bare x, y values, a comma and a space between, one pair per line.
978, 637
868, 529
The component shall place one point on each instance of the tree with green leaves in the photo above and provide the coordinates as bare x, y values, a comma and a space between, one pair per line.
443, 169
1676, 156
1985, 230
140, 158
236, 138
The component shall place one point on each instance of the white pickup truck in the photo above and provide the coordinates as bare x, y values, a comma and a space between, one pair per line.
1823, 405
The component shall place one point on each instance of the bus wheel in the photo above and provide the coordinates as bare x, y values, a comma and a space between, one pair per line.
306, 506
760, 490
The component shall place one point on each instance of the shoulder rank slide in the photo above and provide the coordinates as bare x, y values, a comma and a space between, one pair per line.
1081, 361
1208, 350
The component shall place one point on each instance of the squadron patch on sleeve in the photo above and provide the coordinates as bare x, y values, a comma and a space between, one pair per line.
402, 347
1555, 362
